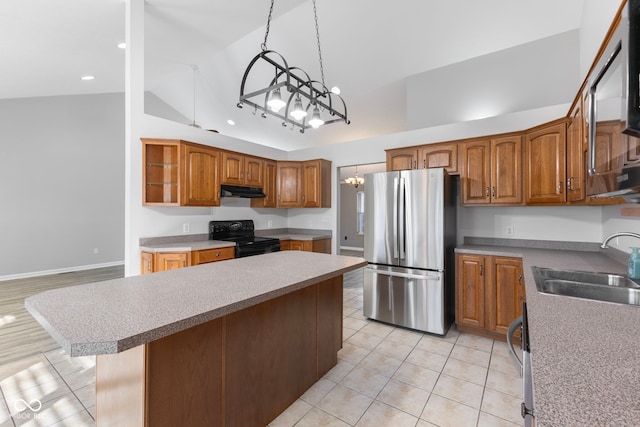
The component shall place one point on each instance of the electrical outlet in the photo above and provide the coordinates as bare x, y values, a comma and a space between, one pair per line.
509, 230
96, 251
185, 227
269, 224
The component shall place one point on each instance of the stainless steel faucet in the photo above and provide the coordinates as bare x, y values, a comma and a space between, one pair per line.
620, 234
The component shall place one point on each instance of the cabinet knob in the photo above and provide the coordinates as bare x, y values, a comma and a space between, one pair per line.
493, 191
424, 163
217, 254
520, 277
487, 192
481, 269
560, 187
415, 164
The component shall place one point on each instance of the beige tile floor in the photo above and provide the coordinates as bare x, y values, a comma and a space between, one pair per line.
385, 376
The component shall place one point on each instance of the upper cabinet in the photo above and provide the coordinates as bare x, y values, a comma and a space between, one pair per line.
304, 184
269, 187
179, 173
576, 153
491, 171
441, 155
240, 169
545, 164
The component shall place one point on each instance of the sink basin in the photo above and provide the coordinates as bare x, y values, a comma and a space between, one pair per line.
589, 285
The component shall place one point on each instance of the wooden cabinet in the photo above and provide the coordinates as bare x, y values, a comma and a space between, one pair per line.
576, 153
402, 159
304, 184
179, 173
489, 294
289, 184
200, 176
239, 169
152, 262
440, 155
269, 187
318, 245
164, 261
545, 164
491, 171
316, 181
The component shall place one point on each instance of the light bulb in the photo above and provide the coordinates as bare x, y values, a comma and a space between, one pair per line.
316, 121
275, 102
298, 112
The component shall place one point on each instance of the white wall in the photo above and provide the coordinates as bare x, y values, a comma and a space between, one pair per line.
613, 222
62, 185
533, 75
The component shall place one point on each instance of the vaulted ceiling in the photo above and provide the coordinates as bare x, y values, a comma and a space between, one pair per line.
369, 48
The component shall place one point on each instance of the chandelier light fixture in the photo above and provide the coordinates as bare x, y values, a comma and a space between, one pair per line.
291, 95
355, 180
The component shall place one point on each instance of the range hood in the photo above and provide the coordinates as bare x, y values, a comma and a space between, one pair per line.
240, 191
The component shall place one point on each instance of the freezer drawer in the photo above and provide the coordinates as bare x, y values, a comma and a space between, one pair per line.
405, 297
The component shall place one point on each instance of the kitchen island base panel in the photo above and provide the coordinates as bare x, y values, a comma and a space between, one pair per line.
241, 369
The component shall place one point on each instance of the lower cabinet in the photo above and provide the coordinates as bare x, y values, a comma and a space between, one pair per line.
489, 294
152, 262
320, 245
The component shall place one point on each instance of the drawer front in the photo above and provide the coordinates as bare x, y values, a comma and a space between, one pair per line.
213, 255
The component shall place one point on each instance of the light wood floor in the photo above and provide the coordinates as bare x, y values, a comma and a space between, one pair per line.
21, 336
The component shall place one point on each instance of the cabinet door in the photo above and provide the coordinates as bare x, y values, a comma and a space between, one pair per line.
506, 170
269, 186
545, 165
297, 245
475, 172
504, 293
171, 261
161, 172
311, 179
439, 156
402, 159
289, 184
146, 262
632, 147
253, 168
232, 169
200, 176
470, 284
608, 147
576, 168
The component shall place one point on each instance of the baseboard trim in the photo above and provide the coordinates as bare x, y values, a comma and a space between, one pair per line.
59, 270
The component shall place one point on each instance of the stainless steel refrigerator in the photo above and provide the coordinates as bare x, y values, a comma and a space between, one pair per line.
409, 238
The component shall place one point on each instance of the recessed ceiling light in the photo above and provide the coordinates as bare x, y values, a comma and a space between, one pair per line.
335, 90
87, 77
231, 122
122, 45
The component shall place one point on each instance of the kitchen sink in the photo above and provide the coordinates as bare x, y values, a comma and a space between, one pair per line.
589, 285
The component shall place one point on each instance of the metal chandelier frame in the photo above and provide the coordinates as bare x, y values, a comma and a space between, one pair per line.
299, 87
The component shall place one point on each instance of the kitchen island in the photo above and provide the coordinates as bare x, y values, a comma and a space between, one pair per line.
231, 343
584, 352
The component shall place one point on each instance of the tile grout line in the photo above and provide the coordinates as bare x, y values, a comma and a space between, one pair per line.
71, 389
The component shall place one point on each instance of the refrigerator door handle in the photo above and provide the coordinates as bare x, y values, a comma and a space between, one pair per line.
390, 284
404, 275
402, 220
396, 185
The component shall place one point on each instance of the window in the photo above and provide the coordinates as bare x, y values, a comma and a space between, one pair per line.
360, 212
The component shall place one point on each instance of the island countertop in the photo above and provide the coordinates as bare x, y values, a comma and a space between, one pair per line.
116, 315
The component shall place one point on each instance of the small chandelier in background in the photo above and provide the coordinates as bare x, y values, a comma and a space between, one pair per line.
355, 180
306, 104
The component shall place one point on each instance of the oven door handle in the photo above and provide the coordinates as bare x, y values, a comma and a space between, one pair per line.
517, 323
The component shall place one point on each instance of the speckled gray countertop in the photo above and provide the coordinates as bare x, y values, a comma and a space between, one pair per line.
187, 246
298, 236
586, 369
115, 315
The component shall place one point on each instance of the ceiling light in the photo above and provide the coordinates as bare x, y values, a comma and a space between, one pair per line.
122, 45
269, 98
335, 90
87, 77
231, 122
355, 180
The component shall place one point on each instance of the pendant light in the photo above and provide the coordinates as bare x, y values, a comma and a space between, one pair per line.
291, 92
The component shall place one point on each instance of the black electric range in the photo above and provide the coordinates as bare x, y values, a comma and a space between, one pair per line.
242, 233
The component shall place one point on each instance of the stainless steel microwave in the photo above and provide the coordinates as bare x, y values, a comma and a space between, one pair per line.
614, 112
